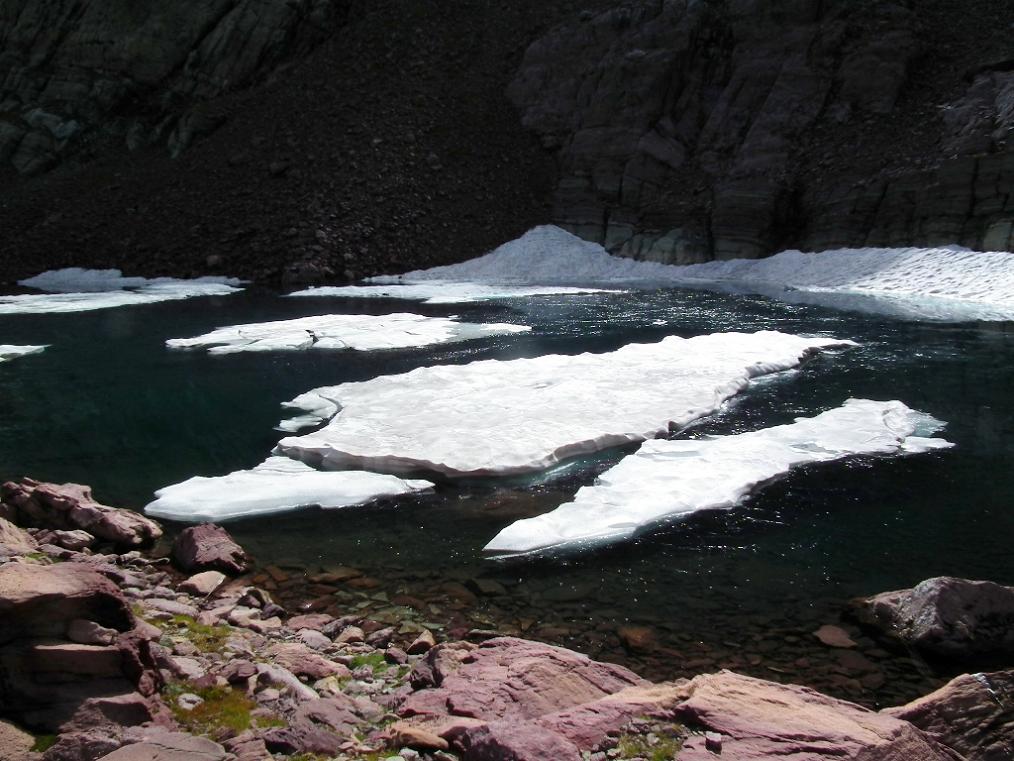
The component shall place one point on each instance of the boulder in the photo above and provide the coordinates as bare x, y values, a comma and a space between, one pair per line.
302, 661
209, 548
69, 540
14, 541
972, 714
761, 720
71, 507
157, 744
14, 743
946, 616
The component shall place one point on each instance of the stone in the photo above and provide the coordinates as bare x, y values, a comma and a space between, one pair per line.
302, 661
238, 671
416, 737
637, 638
759, 719
209, 547
71, 506
203, 584
349, 635
68, 540
315, 621
15, 540
83, 745
422, 643
248, 747
172, 607
380, 638
86, 632
270, 674
157, 744
313, 638
14, 743
972, 714
834, 636
946, 616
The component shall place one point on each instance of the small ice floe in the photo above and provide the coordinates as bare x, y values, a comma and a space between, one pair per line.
361, 332
9, 351
496, 417
445, 293
669, 480
82, 290
276, 485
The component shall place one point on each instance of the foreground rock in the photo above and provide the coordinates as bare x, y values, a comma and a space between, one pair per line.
71, 506
973, 714
946, 616
209, 548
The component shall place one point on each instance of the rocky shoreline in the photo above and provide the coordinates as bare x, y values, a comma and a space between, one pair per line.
115, 645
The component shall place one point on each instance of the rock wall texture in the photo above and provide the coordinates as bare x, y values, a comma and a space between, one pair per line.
688, 130
76, 75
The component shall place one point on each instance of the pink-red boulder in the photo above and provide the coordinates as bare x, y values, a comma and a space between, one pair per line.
209, 548
70, 507
972, 714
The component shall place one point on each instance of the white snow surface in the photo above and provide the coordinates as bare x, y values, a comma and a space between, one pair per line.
674, 479
503, 417
360, 332
9, 351
445, 293
81, 290
278, 484
947, 283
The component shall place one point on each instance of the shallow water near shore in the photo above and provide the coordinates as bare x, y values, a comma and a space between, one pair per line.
107, 404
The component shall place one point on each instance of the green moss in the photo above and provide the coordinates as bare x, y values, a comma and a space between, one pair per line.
205, 638
43, 743
373, 660
223, 708
637, 746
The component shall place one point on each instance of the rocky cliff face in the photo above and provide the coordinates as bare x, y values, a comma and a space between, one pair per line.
77, 76
696, 129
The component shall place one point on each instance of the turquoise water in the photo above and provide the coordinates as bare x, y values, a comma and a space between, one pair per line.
108, 405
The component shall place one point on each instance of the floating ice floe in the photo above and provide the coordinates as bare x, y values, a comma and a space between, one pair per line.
495, 417
8, 351
276, 485
674, 479
946, 283
361, 332
445, 293
81, 290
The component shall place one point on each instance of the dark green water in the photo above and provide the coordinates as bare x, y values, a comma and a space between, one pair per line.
108, 405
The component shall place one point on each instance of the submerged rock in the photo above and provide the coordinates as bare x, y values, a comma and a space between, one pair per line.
71, 506
946, 616
209, 548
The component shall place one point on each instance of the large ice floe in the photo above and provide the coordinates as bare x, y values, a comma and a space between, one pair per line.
278, 484
496, 417
444, 293
917, 283
82, 290
9, 351
669, 480
360, 332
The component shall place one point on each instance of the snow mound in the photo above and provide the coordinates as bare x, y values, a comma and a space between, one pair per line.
947, 283
278, 484
495, 417
80, 290
673, 479
445, 293
9, 351
343, 331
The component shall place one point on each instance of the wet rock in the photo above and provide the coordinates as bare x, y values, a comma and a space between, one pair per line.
946, 616
71, 506
209, 547
637, 638
972, 714
203, 584
834, 636
760, 719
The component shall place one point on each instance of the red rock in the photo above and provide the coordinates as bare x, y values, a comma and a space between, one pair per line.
203, 584
15, 540
973, 714
71, 506
157, 744
71, 658
302, 661
408, 735
508, 741
946, 616
764, 720
834, 636
315, 621
637, 638
68, 540
422, 643
209, 547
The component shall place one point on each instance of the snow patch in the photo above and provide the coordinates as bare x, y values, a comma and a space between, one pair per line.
81, 290
674, 479
278, 484
343, 331
495, 417
9, 351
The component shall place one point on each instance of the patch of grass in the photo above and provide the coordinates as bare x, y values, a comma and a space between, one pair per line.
664, 748
223, 708
44, 743
373, 660
205, 638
